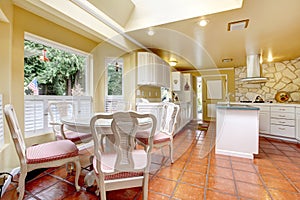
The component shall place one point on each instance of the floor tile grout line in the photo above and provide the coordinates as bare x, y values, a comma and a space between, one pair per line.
283, 174
234, 180
185, 165
182, 171
208, 167
279, 169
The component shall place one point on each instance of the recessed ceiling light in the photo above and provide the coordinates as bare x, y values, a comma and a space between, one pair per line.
203, 22
151, 32
238, 25
270, 57
172, 63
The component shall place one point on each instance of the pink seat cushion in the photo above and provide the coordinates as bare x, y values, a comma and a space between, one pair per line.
159, 137
108, 162
51, 151
77, 137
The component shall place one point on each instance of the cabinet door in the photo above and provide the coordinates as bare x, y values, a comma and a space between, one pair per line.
155, 110
152, 70
264, 122
165, 74
176, 81
146, 69
298, 124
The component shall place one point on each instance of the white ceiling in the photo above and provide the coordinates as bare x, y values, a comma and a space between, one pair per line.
273, 27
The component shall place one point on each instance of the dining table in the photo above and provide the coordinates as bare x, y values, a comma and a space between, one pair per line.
82, 123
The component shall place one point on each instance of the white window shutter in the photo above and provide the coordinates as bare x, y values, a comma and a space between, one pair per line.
85, 107
34, 117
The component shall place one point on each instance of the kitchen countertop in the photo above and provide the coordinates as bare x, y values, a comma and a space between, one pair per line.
237, 107
293, 104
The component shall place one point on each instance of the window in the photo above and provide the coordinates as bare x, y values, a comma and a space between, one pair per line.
52, 72
114, 87
53, 69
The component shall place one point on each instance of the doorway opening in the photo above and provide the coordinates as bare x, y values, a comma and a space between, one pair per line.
199, 98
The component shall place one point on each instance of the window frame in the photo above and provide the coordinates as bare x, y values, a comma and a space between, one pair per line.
108, 61
88, 70
87, 95
112, 102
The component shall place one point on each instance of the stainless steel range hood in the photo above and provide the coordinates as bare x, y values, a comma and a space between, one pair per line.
254, 70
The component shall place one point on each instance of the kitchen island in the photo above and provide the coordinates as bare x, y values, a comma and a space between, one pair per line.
237, 130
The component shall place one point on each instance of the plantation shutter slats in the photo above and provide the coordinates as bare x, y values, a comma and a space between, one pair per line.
34, 117
36, 113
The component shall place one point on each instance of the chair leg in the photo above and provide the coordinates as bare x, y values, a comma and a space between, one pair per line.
102, 187
171, 152
78, 169
69, 167
21, 186
145, 186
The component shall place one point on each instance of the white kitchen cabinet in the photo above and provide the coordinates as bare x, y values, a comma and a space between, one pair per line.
264, 119
237, 131
177, 81
185, 115
298, 124
152, 70
153, 108
283, 121
187, 87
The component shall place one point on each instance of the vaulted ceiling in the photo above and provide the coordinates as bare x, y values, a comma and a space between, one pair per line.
272, 30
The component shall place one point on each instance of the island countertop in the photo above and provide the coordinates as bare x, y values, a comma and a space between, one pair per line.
236, 107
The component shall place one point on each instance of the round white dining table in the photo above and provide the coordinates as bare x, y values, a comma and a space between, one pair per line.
82, 123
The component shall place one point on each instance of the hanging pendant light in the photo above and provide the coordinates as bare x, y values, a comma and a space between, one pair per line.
117, 66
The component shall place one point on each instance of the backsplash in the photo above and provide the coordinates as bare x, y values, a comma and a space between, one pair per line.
282, 76
152, 93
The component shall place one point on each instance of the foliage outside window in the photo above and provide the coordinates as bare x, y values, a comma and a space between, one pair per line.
57, 71
114, 77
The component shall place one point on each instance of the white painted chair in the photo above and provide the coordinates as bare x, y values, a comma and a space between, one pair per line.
123, 166
46, 155
57, 110
164, 137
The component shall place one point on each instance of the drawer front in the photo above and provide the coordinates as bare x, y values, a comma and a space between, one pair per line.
263, 108
283, 115
298, 110
285, 131
286, 122
282, 109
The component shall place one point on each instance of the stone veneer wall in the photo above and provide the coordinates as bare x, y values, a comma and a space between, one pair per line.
282, 76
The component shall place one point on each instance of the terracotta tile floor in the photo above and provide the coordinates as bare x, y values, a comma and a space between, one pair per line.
198, 173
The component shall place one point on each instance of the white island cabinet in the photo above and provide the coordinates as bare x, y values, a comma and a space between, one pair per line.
237, 130
298, 124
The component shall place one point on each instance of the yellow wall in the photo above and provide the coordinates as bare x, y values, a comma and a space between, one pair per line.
230, 83
101, 52
12, 63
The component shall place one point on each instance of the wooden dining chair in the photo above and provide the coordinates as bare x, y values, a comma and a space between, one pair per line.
123, 166
165, 135
57, 110
45, 155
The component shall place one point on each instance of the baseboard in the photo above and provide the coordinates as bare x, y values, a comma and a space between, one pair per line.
294, 140
13, 172
234, 153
